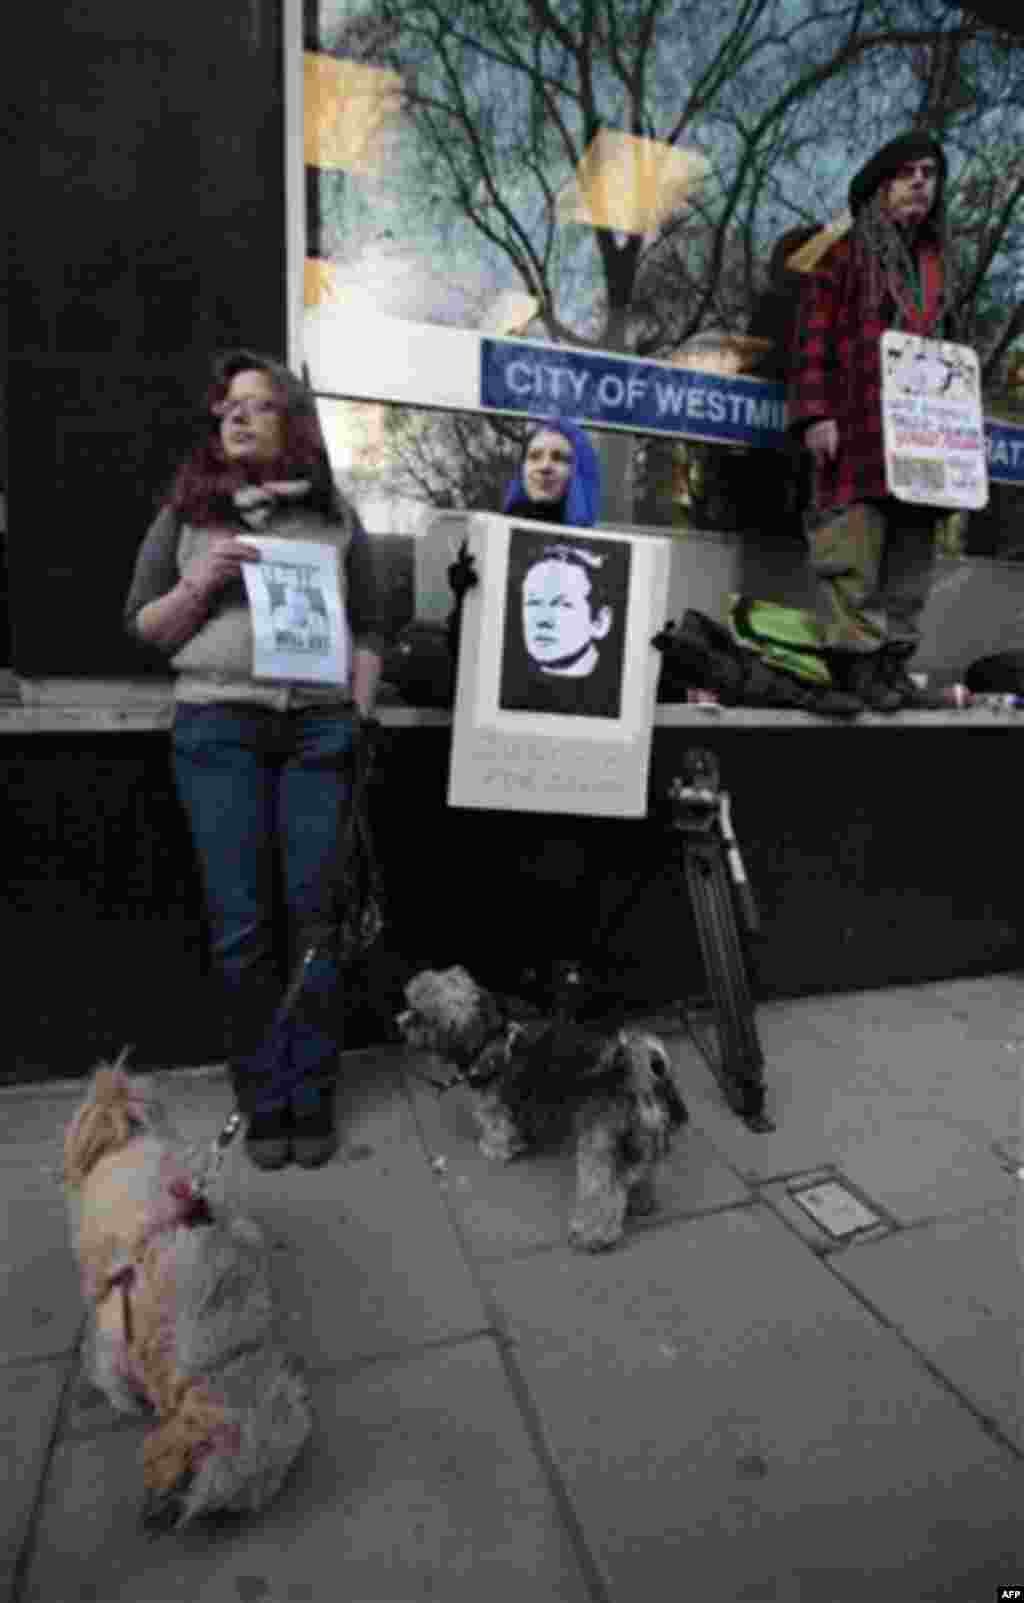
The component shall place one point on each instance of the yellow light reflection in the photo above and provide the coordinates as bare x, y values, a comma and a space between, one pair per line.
511, 313
726, 354
348, 110
630, 184
806, 259
319, 281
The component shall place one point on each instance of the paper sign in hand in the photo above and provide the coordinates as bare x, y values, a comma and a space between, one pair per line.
300, 632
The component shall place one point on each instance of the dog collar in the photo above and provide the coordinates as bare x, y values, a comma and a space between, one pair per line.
511, 1031
466, 1073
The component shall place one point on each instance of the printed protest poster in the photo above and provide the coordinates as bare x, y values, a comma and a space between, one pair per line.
935, 447
299, 627
557, 676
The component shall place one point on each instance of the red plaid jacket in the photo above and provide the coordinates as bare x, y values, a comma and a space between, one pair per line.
836, 371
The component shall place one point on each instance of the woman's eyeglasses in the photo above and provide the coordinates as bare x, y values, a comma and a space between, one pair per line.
247, 409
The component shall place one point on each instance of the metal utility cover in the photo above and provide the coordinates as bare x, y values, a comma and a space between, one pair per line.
836, 1209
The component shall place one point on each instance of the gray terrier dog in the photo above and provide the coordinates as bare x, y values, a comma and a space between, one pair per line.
182, 1325
540, 1083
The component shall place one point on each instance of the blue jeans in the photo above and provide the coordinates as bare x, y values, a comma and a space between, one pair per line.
265, 793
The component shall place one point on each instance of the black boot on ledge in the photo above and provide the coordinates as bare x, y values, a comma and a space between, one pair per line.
914, 698
866, 676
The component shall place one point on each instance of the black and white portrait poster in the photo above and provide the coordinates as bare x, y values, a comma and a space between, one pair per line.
564, 636
557, 676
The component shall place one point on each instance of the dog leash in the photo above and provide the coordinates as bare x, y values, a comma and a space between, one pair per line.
351, 888
604, 1074
218, 1152
348, 918
511, 1031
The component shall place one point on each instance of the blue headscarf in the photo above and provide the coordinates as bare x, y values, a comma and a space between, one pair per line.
581, 505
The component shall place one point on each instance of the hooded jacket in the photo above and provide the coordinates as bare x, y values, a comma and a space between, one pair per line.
581, 505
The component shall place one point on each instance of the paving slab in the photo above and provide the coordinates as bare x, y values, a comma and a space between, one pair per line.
907, 1085
993, 995
801, 1073
924, 1169
513, 1207
953, 1288
733, 1425
959, 1064
367, 1260
32, 1121
39, 1293
29, 1398
421, 1485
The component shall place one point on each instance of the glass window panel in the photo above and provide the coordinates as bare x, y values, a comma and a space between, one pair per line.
631, 177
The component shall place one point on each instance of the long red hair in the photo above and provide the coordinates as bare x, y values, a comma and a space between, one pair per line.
202, 488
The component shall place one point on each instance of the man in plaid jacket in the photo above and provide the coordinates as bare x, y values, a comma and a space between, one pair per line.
871, 554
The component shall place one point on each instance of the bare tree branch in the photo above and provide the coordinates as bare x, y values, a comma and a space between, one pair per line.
1013, 331
503, 97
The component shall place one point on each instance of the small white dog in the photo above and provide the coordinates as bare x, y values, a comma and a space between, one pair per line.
537, 1083
183, 1324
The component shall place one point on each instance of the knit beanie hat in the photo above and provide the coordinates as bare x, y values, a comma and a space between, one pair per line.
914, 146
581, 506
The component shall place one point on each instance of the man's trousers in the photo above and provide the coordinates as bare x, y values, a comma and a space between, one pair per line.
872, 563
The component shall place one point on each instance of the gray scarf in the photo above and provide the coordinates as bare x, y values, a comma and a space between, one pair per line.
257, 503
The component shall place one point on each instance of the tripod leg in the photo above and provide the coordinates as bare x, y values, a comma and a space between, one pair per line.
741, 1058
749, 1056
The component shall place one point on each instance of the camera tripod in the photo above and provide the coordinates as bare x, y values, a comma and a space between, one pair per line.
717, 882
706, 853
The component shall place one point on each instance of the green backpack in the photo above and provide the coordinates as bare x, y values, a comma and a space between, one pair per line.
787, 637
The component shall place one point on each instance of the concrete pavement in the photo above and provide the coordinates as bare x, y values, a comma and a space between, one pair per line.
736, 1406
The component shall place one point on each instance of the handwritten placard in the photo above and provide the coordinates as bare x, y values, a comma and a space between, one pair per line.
935, 452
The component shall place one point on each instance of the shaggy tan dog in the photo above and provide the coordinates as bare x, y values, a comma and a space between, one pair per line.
541, 1083
182, 1325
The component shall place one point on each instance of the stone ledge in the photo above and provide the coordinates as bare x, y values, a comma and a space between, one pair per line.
106, 706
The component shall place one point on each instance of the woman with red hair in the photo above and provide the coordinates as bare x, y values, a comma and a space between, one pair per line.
261, 765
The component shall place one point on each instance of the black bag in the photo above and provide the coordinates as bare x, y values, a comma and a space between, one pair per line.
423, 663
351, 896
1000, 674
700, 654
421, 667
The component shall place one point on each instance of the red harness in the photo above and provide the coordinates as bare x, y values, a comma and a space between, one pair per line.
194, 1210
